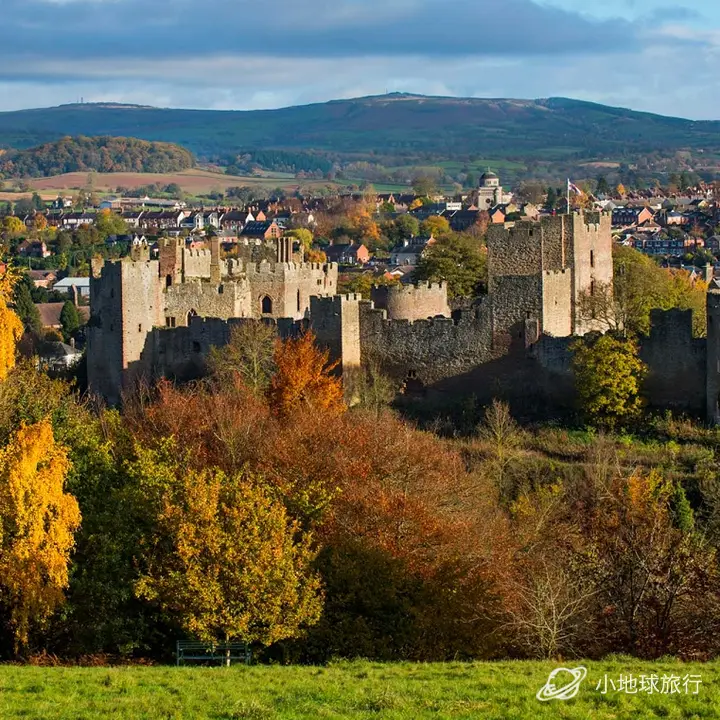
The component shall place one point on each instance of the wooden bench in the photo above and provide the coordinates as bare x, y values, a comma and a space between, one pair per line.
224, 653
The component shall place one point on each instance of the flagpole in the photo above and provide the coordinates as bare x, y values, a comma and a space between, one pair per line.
568, 196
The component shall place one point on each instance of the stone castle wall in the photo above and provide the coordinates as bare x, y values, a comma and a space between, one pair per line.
412, 302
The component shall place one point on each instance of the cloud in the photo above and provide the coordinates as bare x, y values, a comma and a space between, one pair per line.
122, 29
245, 54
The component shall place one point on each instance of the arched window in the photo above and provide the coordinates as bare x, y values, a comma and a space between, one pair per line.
191, 315
266, 305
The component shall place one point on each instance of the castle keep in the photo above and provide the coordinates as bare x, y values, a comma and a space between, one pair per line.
155, 318
131, 297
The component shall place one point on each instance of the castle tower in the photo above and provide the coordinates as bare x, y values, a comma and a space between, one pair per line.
126, 304
712, 379
540, 271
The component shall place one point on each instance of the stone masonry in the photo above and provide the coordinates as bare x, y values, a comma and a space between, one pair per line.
160, 317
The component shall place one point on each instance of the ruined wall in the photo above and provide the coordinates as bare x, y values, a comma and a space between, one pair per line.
412, 302
196, 263
676, 363
181, 353
712, 389
196, 297
427, 349
289, 286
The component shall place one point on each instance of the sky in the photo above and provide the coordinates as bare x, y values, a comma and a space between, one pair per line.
248, 54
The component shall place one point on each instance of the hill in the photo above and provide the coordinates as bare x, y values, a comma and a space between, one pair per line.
101, 154
396, 129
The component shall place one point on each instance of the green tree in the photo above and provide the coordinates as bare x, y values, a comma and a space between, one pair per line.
69, 319
602, 187
24, 306
424, 185
249, 355
458, 260
304, 235
110, 223
608, 376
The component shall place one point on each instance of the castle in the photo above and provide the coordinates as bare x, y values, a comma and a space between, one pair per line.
154, 318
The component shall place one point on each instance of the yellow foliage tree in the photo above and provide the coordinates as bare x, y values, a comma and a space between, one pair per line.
13, 225
37, 525
228, 562
11, 328
304, 378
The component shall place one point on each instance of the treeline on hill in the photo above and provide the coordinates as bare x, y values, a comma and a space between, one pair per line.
254, 504
279, 161
101, 154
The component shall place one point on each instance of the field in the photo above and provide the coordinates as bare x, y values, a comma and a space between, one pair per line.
348, 690
194, 182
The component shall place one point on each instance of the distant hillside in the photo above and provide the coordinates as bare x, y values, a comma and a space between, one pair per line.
102, 154
390, 126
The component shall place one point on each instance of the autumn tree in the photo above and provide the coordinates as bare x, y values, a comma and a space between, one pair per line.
11, 327
608, 377
224, 559
656, 577
248, 355
304, 378
436, 226
13, 225
639, 286
109, 223
37, 525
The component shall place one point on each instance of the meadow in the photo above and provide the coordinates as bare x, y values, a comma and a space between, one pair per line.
357, 689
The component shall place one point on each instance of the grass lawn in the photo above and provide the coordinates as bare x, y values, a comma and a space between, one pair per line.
347, 690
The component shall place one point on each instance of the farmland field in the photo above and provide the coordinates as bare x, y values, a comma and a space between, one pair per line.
352, 690
191, 181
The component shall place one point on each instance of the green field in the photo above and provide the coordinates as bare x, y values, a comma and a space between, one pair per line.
347, 690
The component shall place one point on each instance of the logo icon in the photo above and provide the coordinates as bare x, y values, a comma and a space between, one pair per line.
555, 690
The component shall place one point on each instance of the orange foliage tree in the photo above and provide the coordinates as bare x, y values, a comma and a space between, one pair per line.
37, 525
303, 378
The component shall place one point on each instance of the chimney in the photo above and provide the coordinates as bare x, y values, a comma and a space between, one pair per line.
709, 273
76, 298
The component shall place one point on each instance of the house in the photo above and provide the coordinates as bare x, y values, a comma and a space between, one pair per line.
627, 216
59, 356
262, 230
409, 251
36, 249
348, 254
111, 204
42, 278
81, 284
461, 220
50, 314
62, 203
76, 219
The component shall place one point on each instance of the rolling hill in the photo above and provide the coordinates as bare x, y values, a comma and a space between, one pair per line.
388, 126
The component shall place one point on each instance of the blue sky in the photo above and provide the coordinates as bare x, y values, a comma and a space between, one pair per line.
244, 54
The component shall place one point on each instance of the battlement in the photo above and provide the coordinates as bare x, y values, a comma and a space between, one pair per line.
412, 302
